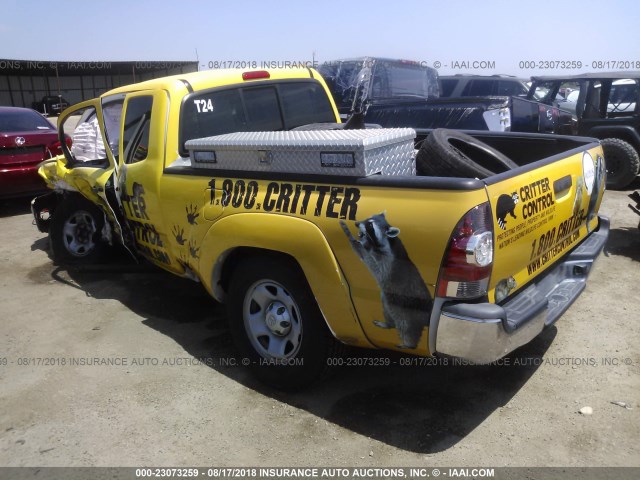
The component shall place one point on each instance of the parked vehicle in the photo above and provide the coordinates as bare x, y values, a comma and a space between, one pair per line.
316, 236
402, 93
26, 139
604, 106
51, 105
481, 86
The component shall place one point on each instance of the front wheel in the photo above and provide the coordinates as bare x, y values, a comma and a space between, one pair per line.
277, 325
76, 232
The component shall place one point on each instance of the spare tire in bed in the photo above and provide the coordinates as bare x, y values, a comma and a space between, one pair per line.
449, 153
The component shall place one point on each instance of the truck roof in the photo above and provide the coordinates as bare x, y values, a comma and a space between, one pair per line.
590, 76
214, 78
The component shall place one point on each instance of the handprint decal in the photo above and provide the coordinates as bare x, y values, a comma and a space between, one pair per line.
193, 250
192, 214
178, 234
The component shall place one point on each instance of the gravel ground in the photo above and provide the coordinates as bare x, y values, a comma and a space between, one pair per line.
158, 405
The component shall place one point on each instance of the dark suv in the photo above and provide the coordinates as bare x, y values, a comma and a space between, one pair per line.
403, 93
481, 86
601, 105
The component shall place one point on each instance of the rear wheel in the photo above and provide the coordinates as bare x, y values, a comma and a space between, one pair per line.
76, 232
277, 325
622, 162
449, 153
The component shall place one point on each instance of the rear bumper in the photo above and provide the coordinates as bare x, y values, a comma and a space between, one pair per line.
20, 181
485, 332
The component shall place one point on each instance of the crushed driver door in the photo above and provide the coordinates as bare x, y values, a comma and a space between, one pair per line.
91, 165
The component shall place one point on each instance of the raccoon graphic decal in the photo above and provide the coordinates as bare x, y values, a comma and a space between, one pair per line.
406, 301
506, 205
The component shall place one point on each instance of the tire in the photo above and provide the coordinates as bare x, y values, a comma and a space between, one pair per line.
76, 232
293, 352
449, 153
622, 162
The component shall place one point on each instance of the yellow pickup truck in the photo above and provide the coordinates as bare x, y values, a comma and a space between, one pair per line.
316, 234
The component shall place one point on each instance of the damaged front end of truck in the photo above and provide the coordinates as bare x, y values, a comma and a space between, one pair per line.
82, 212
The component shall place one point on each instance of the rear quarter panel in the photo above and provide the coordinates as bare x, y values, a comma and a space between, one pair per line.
424, 217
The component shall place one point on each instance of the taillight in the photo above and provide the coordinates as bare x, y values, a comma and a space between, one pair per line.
467, 264
255, 75
54, 149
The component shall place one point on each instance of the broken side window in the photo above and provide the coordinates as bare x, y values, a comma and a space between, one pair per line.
137, 121
87, 145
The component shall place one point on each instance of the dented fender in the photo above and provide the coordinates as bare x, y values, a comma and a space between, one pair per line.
52, 171
296, 237
86, 181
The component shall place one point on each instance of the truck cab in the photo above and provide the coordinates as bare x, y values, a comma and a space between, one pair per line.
123, 142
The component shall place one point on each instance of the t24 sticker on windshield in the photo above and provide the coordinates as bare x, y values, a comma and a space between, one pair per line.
204, 105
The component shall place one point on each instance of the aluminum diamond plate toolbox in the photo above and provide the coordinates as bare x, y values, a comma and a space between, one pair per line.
385, 151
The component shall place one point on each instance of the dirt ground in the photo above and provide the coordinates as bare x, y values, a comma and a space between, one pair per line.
156, 404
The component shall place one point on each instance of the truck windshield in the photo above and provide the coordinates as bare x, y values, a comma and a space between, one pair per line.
377, 78
259, 107
391, 80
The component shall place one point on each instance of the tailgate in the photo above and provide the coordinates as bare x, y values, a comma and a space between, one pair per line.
541, 214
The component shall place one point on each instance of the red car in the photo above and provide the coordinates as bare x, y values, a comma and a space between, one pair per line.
26, 139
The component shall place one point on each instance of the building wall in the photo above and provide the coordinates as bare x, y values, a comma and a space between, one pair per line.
23, 82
